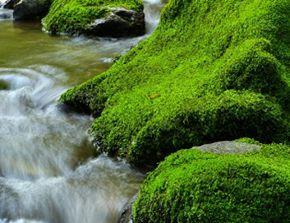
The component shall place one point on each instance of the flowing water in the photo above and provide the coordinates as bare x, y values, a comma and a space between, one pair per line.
47, 169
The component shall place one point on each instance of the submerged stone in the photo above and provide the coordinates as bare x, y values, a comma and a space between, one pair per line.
5, 15
3, 84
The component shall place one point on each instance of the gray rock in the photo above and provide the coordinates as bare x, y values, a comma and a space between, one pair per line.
229, 147
119, 23
31, 9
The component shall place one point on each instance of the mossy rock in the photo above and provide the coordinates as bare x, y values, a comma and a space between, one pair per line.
3, 85
89, 17
213, 70
195, 186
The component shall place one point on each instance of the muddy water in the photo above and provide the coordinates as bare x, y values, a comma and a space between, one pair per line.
48, 172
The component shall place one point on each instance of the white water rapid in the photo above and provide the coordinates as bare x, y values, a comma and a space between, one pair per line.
48, 172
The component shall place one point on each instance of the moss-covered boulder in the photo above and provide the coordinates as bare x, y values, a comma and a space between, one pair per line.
213, 70
195, 186
113, 18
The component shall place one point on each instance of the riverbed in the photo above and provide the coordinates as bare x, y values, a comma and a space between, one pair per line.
49, 171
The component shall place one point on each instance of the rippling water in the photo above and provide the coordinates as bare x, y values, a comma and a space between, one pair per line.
47, 173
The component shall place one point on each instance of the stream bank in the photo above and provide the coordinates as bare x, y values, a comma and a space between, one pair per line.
48, 172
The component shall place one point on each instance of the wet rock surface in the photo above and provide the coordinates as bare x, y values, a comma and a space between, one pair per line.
126, 216
9, 4
31, 9
120, 23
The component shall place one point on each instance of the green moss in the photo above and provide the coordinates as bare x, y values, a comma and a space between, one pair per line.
194, 186
73, 16
3, 85
213, 70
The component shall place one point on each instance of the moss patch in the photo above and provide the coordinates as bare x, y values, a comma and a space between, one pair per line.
213, 70
194, 186
73, 16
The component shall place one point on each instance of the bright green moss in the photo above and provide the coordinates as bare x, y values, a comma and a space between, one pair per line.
73, 16
213, 70
193, 186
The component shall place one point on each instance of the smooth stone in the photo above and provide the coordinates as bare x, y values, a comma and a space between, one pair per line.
229, 147
120, 23
31, 9
126, 216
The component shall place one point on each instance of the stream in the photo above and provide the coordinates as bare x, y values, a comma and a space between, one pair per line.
48, 169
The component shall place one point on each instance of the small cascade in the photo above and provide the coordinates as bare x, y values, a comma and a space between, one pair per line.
41, 177
47, 170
